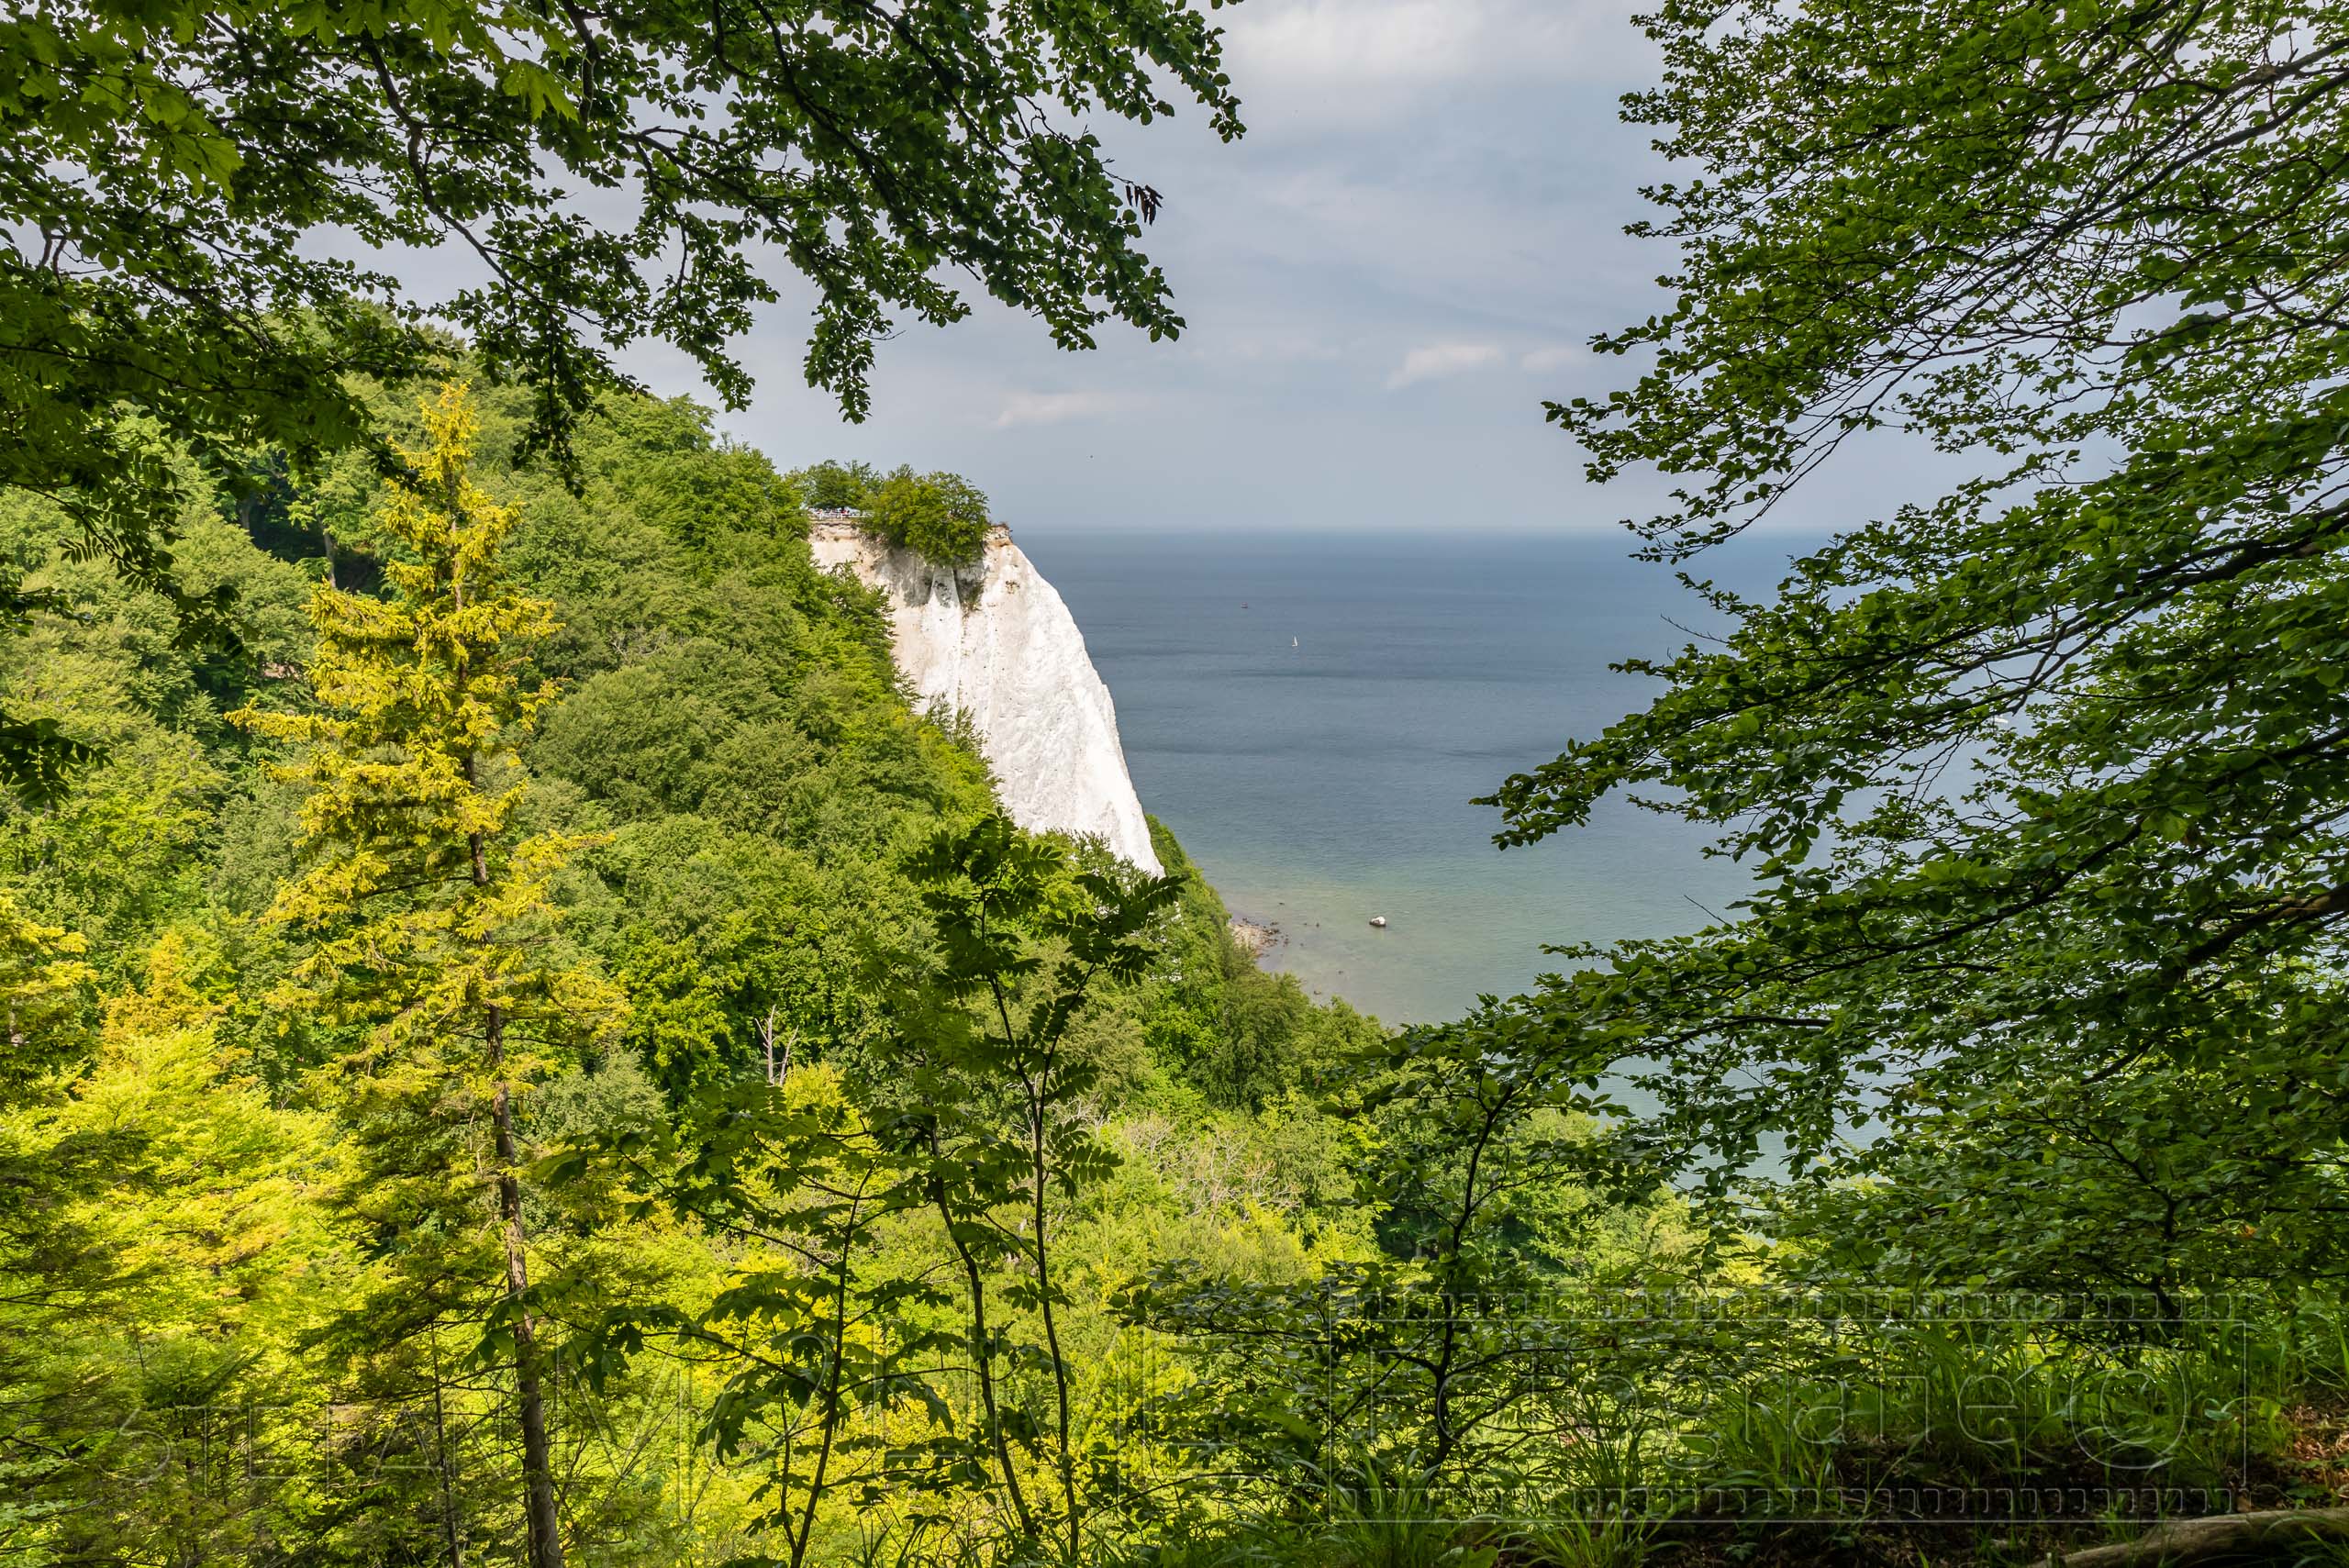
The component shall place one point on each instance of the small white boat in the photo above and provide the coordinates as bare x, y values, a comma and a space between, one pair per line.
1379, 920
1292, 642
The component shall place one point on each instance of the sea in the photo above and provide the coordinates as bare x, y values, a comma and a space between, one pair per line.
1313, 714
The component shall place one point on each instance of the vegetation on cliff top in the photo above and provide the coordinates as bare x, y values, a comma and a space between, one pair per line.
943, 516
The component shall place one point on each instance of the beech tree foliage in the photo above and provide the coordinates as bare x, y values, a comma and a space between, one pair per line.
2042, 780
944, 515
183, 187
836, 1357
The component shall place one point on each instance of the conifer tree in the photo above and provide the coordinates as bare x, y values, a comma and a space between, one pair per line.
428, 918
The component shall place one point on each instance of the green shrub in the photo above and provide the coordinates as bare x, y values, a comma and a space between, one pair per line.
944, 515
828, 484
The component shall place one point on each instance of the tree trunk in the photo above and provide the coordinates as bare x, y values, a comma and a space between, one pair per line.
982, 1349
441, 1457
832, 1374
2184, 1541
538, 1463
776, 1071
1052, 1329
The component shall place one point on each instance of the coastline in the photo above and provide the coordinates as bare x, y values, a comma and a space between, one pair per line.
1256, 936
1334, 781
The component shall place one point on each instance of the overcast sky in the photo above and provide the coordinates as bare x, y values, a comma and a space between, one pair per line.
1383, 280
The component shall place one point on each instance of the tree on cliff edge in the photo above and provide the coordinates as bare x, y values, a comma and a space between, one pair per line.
177, 181
2043, 783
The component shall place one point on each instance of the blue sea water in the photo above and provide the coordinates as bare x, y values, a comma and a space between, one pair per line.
1311, 714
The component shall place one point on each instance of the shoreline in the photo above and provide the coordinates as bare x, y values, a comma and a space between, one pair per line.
1257, 937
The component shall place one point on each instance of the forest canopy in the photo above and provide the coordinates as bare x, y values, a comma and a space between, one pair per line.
457, 1013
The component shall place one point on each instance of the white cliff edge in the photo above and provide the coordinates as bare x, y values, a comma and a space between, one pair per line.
993, 641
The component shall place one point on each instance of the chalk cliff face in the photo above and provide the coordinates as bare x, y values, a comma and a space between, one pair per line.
993, 641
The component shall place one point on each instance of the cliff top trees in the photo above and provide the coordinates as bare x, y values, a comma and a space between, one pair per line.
610, 171
944, 515
2101, 250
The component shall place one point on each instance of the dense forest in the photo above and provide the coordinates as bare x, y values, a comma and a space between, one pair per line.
551, 1027
247, 1069
524, 1045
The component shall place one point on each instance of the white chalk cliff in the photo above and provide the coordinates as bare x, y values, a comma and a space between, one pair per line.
993, 641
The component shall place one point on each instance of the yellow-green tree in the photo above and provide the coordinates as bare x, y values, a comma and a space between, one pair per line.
428, 921
159, 1275
44, 985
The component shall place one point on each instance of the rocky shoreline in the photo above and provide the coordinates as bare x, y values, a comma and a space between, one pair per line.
1258, 937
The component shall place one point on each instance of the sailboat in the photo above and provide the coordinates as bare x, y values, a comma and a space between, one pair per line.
1292, 642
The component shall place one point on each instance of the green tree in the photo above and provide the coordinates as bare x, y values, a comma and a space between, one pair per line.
56, 1264
161, 1254
427, 918
977, 1124
1024, 942
942, 516
44, 990
1413, 1367
829, 484
822, 1342
2042, 780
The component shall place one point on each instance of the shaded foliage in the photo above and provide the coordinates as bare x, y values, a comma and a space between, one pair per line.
2041, 780
185, 184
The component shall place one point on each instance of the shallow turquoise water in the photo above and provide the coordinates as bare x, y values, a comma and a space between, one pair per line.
1321, 784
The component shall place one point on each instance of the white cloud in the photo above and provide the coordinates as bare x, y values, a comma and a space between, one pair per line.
1437, 361
1556, 356
1057, 407
1267, 348
1353, 42
1392, 46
